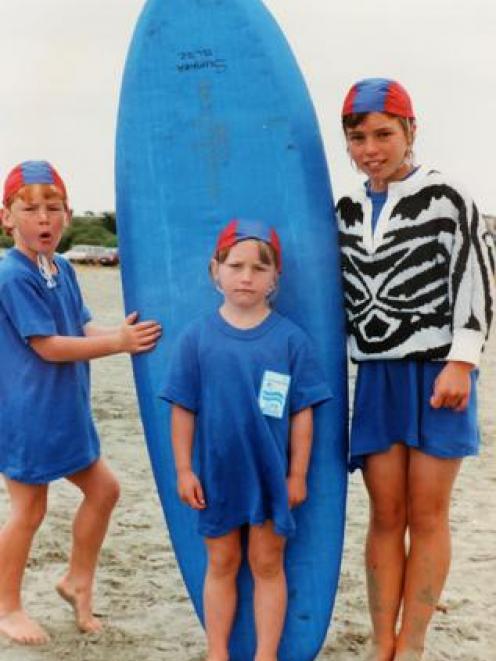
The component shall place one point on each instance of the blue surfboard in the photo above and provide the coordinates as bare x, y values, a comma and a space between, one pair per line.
215, 122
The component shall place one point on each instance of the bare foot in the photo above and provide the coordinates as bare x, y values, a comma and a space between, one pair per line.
409, 655
376, 653
80, 600
20, 628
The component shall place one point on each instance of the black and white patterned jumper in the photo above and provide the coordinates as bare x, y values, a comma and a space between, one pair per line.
421, 286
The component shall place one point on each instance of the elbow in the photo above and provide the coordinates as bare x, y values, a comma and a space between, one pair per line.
44, 349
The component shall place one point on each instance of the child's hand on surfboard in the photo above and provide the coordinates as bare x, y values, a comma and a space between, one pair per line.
297, 490
137, 337
190, 489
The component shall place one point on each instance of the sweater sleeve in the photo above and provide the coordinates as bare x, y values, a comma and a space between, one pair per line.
471, 284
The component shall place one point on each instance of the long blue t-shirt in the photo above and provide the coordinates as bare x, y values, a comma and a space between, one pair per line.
46, 428
243, 386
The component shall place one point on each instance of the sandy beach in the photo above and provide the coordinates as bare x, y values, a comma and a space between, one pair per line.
140, 594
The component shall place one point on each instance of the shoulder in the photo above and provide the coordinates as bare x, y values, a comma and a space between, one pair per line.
295, 335
15, 271
350, 206
427, 193
193, 330
433, 182
286, 324
198, 325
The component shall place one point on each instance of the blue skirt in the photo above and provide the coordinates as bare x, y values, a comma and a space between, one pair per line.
392, 406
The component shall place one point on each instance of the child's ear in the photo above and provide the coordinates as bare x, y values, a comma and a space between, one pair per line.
6, 221
213, 269
413, 132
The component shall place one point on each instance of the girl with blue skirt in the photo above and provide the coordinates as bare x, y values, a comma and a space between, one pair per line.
418, 270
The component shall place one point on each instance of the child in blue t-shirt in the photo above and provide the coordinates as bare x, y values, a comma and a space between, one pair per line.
242, 382
47, 431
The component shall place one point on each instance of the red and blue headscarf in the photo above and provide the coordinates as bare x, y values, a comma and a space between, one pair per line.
29, 173
241, 230
378, 95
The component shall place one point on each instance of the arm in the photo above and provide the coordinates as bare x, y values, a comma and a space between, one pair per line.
472, 300
129, 337
182, 431
301, 436
471, 283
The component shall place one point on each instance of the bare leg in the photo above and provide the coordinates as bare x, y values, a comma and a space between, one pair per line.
219, 592
385, 477
28, 507
429, 492
266, 556
101, 492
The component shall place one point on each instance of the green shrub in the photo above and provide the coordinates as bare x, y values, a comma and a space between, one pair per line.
90, 229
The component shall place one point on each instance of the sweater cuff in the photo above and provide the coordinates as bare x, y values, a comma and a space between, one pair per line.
466, 346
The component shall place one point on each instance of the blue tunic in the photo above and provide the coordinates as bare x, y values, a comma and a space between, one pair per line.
392, 405
217, 371
46, 426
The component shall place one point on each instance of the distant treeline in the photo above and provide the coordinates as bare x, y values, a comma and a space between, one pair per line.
91, 229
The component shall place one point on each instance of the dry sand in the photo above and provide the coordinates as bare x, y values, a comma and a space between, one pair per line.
140, 593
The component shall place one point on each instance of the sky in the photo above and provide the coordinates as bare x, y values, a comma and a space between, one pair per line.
61, 63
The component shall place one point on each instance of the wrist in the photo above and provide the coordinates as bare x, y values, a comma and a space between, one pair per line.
461, 364
297, 475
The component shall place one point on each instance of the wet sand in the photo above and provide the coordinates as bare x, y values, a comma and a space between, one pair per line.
140, 594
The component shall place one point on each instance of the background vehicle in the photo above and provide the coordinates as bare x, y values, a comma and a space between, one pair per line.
83, 254
110, 257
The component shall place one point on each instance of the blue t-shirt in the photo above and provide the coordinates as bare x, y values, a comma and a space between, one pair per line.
378, 201
243, 386
46, 426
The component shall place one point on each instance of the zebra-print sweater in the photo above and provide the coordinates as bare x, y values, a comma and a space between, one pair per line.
421, 286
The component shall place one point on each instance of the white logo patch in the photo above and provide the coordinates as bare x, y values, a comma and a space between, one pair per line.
273, 393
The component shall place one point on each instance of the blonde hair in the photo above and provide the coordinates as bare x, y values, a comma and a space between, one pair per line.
266, 253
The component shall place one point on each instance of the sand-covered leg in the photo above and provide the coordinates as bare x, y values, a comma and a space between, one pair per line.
28, 507
385, 477
431, 481
101, 492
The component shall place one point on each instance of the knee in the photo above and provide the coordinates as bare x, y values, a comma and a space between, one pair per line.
107, 494
224, 563
388, 518
31, 517
267, 564
111, 493
427, 518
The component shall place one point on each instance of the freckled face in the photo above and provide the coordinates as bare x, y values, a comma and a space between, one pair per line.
36, 222
379, 147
